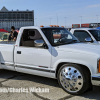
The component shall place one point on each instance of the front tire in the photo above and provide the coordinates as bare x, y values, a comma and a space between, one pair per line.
73, 78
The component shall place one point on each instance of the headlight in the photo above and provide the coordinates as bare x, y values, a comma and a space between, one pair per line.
98, 65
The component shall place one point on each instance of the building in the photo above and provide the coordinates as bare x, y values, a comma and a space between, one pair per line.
91, 25
87, 25
15, 18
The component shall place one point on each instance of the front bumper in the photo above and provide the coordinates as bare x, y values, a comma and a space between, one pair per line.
96, 80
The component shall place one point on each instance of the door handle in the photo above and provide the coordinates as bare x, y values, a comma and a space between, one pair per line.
18, 52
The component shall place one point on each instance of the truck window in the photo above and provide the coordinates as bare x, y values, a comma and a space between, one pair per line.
81, 35
29, 36
96, 34
58, 36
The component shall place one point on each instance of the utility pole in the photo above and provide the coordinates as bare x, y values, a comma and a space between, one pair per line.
36, 21
57, 19
81, 19
65, 21
50, 20
97, 20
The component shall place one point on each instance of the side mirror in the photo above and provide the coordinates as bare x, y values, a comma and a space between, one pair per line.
88, 39
38, 43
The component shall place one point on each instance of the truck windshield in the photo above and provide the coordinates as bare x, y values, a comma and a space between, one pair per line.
96, 34
59, 36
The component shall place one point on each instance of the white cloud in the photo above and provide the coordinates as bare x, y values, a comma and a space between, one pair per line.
94, 6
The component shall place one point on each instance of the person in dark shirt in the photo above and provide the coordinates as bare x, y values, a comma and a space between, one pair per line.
10, 36
14, 33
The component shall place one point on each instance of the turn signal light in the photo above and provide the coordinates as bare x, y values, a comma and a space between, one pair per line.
57, 26
99, 66
41, 26
54, 25
51, 25
62, 26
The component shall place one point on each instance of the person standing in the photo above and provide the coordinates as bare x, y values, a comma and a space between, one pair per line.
14, 33
10, 36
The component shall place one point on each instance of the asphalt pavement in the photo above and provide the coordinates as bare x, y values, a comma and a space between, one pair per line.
16, 80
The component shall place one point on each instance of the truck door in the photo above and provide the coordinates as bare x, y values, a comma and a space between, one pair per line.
27, 56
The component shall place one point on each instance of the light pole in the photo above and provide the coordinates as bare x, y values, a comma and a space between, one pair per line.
97, 19
50, 20
65, 21
57, 19
81, 19
36, 21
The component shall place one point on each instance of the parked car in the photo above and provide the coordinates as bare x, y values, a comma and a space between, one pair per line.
1, 33
55, 53
4, 37
87, 34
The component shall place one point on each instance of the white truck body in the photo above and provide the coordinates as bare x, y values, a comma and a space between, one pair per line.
45, 62
91, 33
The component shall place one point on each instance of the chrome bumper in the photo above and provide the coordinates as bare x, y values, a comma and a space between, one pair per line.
96, 80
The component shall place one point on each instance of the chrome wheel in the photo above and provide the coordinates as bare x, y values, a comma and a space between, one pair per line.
71, 79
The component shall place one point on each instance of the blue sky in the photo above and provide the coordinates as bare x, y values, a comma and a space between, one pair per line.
45, 9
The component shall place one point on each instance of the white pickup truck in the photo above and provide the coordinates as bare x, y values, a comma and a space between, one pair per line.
53, 52
87, 34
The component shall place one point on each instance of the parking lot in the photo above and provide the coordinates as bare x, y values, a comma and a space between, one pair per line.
10, 79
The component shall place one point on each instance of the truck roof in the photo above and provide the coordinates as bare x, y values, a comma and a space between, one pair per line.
38, 27
50, 27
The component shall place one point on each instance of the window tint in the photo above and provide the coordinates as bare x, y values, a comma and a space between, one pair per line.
96, 34
29, 36
81, 35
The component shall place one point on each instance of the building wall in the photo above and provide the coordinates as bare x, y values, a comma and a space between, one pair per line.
16, 18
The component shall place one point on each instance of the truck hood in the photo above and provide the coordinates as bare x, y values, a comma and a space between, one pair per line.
92, 49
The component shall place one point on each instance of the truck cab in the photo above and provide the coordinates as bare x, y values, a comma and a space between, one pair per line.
86, 34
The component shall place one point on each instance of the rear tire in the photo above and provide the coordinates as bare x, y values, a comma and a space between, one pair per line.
74, 79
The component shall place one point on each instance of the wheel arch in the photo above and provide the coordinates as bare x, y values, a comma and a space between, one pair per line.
62, 63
